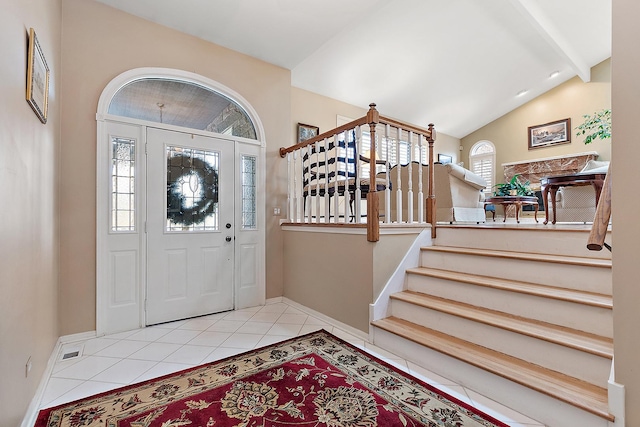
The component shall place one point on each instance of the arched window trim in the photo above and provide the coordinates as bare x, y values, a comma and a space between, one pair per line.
179, 75
491, 155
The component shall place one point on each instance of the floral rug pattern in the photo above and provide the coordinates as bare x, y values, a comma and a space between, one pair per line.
314, 380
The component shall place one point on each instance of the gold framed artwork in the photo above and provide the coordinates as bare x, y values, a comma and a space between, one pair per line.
37, 78
558, 132
307, 131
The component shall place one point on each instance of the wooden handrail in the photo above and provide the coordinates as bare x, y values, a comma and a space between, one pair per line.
602, 216
328, 134
428, 133
373, 119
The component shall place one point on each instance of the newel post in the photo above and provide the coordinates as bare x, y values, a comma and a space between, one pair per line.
431, 197
373, 204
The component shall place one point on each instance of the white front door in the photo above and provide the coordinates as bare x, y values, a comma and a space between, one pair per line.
190, 225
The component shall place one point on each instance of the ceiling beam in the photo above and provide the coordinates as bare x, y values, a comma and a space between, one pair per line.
538, 19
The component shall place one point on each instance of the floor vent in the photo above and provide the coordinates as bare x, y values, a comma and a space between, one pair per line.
70, 355
71, 351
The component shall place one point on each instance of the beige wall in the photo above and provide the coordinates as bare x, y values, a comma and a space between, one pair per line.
331, 273
626, 232
317, 110
450, 146
572, 99
29, 226
100, 43
339, 274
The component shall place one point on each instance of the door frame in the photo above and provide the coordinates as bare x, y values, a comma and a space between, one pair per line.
244, 296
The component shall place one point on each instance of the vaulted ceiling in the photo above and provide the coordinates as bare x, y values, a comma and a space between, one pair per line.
457, 63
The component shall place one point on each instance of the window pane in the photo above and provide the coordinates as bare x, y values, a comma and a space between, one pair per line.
192, 189
484, 148
123, 153
248, 192
182, 104
483, 166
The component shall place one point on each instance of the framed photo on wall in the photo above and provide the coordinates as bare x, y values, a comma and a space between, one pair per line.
558, 132
444, 159
37, 78
307, 131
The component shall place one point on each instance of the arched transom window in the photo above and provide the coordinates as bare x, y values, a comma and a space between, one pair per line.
184, 104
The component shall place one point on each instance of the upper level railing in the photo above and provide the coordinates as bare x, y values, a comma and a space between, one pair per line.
331, 175
602, 217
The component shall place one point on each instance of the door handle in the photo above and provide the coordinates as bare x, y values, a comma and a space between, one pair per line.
228, 238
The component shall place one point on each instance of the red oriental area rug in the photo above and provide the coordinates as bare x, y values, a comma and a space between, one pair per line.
314, 380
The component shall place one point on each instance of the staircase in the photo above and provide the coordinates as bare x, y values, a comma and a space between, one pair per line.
521, 315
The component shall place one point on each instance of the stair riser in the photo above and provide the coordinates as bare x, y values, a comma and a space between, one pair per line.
577, 363
590, 279
531, 403
586, 318
556, 242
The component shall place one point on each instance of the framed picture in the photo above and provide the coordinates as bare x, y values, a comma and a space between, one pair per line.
37, 78
444, 159
307, 131
558, 132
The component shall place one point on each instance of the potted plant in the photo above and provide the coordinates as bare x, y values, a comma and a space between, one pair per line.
513, 188
596, 126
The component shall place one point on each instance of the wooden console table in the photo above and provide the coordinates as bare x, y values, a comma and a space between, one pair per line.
552, 183
518, 201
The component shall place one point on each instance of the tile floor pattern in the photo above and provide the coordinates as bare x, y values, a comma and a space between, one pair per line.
120, 359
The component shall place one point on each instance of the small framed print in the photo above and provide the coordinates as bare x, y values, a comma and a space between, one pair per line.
37, 78
307, 131
558, 132
444, 159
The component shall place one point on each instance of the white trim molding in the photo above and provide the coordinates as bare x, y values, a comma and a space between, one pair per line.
131, 314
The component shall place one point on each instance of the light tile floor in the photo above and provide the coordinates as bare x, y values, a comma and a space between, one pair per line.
120, 359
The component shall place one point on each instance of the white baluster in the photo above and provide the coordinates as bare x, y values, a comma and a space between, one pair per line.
296, 186
336, 197
358, 166
399, 180
317, 198
420, 194
387, 190
308, 208
327, 204
289, 189
410, 183
345, 193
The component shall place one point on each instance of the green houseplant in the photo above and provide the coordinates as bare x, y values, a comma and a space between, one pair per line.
595, 126
513, 188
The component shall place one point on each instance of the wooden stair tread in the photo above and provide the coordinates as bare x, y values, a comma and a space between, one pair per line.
568, 337
560, 259
573, 391
564, 294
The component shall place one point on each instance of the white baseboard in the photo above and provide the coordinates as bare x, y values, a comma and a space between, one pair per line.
34, 407
32, 411
273, 300
616, 399
337, 324
396, 283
